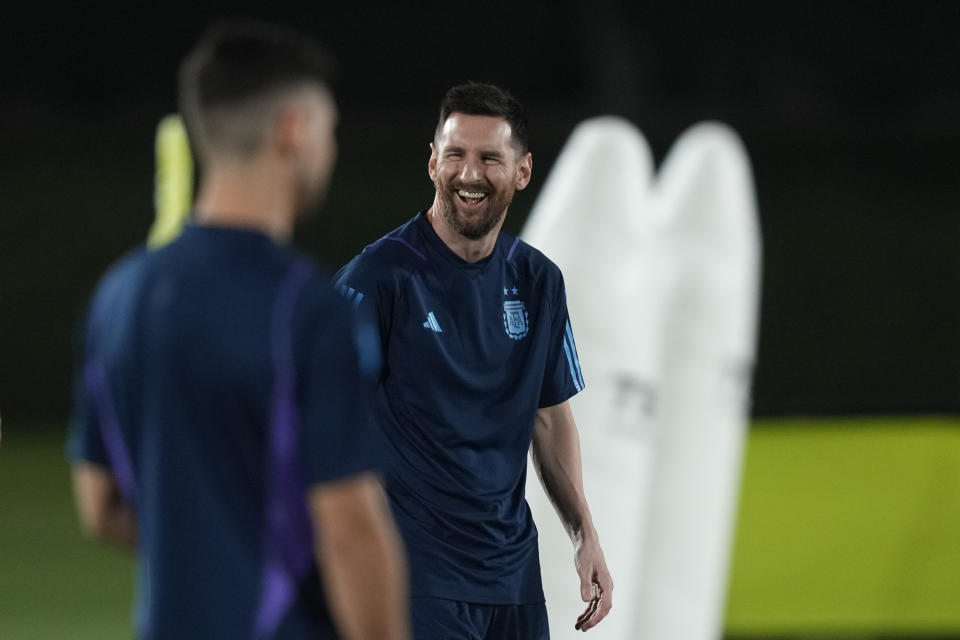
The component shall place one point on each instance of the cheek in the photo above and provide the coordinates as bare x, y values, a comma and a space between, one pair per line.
502, 177
444, 174
321, 161
333, 148
326, 153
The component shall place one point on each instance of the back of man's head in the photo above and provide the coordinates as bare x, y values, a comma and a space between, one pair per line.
235, 79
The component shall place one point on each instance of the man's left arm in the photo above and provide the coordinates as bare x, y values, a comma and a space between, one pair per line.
556, 457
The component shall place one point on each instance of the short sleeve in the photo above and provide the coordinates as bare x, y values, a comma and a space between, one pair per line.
358, 282
562, 378
340, 364
84, 436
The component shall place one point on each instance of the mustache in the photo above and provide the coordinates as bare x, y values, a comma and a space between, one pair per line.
473, 187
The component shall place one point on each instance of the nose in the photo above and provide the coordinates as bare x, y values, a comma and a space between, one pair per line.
472, 171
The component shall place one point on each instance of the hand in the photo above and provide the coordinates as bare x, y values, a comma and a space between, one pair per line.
596, 585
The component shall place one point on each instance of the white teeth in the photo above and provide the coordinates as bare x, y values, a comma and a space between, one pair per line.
468, 194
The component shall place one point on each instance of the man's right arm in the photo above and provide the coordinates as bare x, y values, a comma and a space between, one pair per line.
361, 558
104, 514
357, 546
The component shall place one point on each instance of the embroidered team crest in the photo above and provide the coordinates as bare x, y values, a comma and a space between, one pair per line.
515, 319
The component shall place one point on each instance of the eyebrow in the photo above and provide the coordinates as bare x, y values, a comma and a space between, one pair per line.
492, 153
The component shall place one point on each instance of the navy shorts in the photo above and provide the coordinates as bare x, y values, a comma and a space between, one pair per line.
441, 619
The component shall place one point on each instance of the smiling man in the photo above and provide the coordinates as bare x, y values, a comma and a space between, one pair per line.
480, 365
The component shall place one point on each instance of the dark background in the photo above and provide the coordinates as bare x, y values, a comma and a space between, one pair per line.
849, 111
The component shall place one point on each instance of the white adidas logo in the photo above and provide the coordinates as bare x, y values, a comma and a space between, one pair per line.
432, 323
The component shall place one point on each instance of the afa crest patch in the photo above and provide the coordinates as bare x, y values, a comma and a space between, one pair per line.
515, 319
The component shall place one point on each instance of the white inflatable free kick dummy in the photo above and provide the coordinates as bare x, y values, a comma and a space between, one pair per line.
705, 194
661, 458
592, 218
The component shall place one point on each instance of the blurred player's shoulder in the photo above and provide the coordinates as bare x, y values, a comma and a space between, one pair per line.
125, 266
319, 295
123, 275
327, 316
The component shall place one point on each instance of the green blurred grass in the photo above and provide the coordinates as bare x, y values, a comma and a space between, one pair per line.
53, 583
847, 528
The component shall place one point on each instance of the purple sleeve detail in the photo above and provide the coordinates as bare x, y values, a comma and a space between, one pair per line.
287, 552
408, 246
516, 241
95, 378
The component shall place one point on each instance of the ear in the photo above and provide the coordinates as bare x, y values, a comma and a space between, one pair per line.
432, 163
524, 170
290, 130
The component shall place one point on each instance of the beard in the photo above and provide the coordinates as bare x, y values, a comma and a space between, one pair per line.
477, 223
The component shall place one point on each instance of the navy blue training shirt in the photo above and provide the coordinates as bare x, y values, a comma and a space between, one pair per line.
471, 351
221, 377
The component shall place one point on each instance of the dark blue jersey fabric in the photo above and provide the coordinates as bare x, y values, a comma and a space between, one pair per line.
221, 377
470, 352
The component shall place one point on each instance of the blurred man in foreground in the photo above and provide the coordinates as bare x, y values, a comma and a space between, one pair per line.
480, 365
220, 426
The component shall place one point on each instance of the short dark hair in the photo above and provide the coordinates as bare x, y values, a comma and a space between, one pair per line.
479, 99
238, 63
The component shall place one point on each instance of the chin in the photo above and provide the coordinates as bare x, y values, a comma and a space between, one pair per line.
477, 227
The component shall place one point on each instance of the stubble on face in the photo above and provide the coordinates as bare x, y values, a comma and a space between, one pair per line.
477, 224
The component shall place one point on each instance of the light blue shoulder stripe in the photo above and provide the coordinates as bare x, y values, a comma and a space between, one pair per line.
573, 372
576, 358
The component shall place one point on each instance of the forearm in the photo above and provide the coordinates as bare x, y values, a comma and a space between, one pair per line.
104, 514
556, 458
365, 573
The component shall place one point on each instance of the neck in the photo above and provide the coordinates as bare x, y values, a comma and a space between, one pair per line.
468, 249
246, 197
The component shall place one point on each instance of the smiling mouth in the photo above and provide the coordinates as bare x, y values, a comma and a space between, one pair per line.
471, 197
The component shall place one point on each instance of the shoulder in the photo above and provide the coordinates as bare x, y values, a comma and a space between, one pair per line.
316, 297
398, 253
320, 314
402, 247
531, 260
121, 279
327, 320
116, 295
125, 268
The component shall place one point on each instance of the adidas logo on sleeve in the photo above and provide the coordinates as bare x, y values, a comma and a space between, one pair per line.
432, 323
